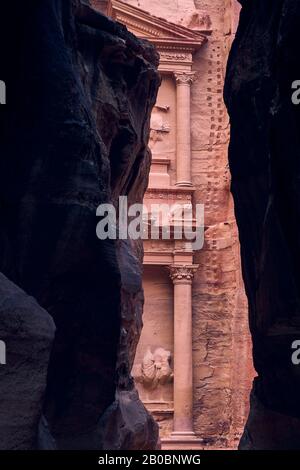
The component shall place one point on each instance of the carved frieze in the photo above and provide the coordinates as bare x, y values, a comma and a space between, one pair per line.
175, 57
170, 194
197, 21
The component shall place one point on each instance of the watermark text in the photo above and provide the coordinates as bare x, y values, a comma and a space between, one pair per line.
157, 221
2, 353
2, 92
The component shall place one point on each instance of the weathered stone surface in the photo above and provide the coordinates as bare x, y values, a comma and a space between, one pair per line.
127, 424
28, 332
74, 135
264, 163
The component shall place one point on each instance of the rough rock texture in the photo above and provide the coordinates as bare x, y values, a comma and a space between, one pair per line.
74, 134
223, 372
28, 332
264, 161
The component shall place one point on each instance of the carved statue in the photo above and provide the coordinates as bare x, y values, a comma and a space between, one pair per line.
158, 125
155, 368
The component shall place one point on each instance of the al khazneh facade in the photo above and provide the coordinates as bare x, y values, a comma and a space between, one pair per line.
193, 364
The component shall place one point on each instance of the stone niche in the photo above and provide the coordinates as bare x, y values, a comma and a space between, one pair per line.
154, 363
163, 135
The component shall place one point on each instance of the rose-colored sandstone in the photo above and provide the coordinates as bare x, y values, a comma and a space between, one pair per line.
195, 318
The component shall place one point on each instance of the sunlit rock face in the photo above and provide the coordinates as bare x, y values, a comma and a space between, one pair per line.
173, 10
264, 162
222, 368
74, 134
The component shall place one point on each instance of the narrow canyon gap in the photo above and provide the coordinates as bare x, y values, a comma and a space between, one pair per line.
264, 158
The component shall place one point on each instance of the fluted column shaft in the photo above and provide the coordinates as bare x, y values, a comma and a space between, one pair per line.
182, 277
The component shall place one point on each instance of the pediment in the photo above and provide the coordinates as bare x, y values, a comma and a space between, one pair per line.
156, 30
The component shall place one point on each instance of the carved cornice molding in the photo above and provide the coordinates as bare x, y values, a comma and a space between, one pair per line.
182, 273
130, 22
157, 30
185, 78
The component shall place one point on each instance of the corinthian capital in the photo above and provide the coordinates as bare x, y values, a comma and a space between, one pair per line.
182, 273
184, 78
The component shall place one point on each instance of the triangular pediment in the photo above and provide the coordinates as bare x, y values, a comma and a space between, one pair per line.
157, 30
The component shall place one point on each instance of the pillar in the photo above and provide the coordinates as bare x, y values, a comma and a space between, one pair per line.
184, 81
182, 277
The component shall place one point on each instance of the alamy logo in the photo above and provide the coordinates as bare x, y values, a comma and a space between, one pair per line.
2, 92
2, 353
296, 354
159, 221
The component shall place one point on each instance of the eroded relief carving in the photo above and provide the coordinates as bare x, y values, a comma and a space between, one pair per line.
159, 126
169, 56
185, 78
155, 369
182, 273
197, 21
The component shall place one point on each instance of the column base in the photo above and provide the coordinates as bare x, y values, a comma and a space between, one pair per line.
184, 184
182, 441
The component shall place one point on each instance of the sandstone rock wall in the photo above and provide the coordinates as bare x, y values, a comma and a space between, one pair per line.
264, 163
73, 135
221, 337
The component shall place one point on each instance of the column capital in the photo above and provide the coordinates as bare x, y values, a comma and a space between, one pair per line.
182, 273
184, 78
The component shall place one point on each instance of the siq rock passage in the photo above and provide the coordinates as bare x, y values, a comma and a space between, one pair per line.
264, 159
74, 136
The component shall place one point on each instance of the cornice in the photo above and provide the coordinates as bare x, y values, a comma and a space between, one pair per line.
157, 30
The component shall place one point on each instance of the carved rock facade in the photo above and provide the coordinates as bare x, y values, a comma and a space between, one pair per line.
200, 311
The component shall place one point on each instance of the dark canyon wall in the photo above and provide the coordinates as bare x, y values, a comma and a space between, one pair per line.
264, 159
73, 134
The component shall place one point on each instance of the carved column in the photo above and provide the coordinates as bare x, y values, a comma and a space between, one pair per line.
182, 277
184, 81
